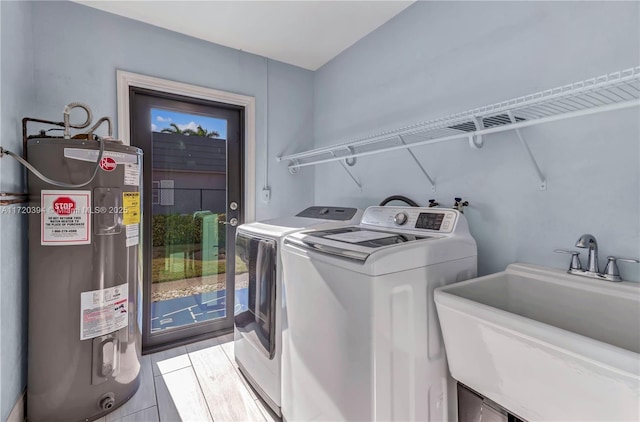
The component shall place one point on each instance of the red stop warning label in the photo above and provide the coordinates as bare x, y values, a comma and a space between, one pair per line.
64, 205
108, 164
65, 218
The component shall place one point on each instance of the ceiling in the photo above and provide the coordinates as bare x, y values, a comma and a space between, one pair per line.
302, 33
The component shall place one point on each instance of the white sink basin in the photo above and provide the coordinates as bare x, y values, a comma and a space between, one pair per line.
544, 344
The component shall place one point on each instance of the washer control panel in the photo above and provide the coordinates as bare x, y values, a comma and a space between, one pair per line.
430, 221
400, 218
440, 220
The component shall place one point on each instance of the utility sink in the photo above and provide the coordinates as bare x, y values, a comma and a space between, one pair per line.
544, 344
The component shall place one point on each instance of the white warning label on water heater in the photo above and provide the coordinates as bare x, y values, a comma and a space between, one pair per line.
65, 217
103, 311
133, 234
132, 174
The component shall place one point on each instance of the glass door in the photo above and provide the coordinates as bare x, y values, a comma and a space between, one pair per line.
192, 204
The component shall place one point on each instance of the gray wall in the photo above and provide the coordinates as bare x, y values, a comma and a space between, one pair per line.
438, 58
16, 91
54, 53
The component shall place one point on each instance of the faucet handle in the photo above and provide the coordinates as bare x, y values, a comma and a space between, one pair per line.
611, 271
575, 259
459, 204
624, 259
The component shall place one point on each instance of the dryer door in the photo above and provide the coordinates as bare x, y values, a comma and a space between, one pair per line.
255, 311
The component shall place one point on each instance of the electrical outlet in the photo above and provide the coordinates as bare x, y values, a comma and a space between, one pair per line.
266, 195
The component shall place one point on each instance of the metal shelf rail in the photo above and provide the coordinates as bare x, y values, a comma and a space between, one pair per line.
614, 91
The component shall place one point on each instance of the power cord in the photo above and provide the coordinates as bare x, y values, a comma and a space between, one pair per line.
51, 181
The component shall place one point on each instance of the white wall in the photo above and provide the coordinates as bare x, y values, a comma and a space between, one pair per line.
16, 92
437, 58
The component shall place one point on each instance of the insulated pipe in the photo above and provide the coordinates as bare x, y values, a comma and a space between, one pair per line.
67, 113
98, 123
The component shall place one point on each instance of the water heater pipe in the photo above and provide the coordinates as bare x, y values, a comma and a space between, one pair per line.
67, 113
67, 135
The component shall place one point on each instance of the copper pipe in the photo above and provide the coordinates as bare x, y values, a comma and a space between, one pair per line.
19, 198
25, 137
4, 202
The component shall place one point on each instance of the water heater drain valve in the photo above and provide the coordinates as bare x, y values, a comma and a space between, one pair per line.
107, 401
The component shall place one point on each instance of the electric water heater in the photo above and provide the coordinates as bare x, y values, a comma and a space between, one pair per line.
85, 280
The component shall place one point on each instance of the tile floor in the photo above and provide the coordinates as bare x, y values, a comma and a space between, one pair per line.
199, 382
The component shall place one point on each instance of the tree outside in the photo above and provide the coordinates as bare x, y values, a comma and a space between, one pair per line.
200, 131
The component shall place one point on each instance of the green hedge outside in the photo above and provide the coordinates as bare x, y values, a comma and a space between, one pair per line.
180, 229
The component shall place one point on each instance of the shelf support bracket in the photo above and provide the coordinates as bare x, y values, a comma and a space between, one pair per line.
344, 166
543, 181
293, 166
350, 161
476, 141
433, 184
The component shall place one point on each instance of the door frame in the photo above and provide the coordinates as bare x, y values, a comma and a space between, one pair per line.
125, 79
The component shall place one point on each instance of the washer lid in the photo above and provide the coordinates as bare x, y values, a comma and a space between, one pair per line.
312, 217
367, 237
329, 213
353, 242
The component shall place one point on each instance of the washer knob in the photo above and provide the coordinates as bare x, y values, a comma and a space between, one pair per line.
400, 218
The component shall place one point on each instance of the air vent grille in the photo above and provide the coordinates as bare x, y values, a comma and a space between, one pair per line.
497, 120
465, 127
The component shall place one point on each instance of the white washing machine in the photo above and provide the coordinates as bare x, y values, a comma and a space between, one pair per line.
259, 298
363, 342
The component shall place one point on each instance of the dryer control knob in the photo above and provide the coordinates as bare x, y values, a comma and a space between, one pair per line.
400, 218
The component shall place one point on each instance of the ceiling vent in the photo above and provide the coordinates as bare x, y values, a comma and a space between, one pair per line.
497, 120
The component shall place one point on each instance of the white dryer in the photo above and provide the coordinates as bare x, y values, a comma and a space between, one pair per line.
259, 298
363, 342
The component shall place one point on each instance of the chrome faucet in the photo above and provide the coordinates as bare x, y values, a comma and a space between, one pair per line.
589, 241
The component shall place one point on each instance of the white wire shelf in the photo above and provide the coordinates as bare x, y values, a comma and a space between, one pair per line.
614, 91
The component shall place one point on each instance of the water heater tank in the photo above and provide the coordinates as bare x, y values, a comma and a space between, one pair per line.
85, 280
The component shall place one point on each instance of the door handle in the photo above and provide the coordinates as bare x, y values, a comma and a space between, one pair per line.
233, 222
